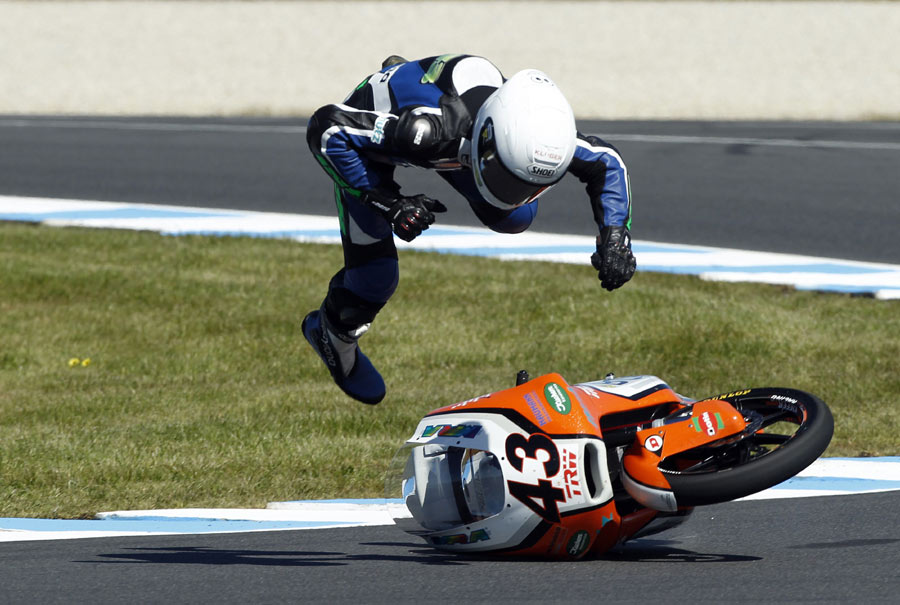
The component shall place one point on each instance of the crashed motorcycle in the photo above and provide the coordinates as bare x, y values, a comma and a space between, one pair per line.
560, 471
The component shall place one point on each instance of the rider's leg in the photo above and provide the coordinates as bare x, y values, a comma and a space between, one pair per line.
356, 294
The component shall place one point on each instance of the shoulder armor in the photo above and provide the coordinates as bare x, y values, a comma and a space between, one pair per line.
417, 133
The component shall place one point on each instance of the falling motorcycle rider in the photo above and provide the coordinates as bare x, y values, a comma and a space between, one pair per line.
500, 143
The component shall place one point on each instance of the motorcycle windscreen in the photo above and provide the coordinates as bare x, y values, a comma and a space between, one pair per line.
444, 487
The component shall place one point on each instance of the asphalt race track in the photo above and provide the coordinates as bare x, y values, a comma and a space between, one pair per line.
819, 189
824, 549
806, 188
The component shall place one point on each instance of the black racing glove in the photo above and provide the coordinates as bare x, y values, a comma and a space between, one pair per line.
613, 259
409, 216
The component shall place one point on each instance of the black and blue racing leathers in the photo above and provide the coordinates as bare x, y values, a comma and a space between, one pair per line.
420, 113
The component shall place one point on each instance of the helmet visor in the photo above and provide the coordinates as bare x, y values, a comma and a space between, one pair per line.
500, 181
445, 487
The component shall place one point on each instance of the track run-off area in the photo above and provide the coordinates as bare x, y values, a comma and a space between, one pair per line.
880, 280
825, 477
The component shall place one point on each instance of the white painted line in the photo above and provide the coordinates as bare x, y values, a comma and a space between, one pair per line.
760, 142
838, 477
7, 535
301, 512
75, 124
162, 126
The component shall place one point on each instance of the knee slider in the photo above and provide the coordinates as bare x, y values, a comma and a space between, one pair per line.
347, 311
355, 296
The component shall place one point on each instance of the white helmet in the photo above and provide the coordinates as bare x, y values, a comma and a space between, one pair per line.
523, 140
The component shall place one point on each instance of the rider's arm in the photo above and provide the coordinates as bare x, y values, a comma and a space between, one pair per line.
339, 137
344, 141
599, 165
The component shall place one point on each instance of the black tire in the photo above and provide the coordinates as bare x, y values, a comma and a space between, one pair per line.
761, 458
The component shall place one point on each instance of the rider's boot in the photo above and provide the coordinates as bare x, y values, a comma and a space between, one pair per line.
351, 370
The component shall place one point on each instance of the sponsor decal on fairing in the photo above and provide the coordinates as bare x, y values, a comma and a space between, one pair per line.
578, 543
705, 423
541, 416
653, 443
557, 398
479, 535
465, 431
571, 482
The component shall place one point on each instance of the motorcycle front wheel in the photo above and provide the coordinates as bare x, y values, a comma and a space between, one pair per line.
787, 430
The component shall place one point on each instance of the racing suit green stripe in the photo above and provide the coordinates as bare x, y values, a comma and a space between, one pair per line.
342, 212
628, 189
435, 69
337, 178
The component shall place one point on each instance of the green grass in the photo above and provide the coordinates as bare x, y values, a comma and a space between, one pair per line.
201, 391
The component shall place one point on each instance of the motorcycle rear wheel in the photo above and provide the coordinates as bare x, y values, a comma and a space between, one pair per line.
787, 431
